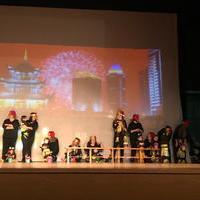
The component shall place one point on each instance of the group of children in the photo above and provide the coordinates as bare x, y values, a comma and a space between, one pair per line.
154, 149
157, 146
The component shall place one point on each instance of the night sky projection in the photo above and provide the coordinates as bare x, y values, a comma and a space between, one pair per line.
76, 91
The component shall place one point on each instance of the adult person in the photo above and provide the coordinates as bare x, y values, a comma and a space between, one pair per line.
135, 130
31, 127
10, 133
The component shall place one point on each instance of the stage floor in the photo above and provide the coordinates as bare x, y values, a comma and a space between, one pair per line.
77, 181
109, 168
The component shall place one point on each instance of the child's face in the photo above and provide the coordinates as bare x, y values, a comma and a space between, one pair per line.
23, 119
156, 138
46, 141
76, 142
11, 151
140, 138
183, 148
156, 145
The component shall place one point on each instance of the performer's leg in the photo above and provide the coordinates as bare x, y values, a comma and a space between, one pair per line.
175, 149
5, 147
121, 154
12, 142
24, 149
29, 146
133, 152
54, 158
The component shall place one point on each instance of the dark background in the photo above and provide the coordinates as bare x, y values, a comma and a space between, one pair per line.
188, 39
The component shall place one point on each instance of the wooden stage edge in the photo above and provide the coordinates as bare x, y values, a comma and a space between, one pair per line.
98, 168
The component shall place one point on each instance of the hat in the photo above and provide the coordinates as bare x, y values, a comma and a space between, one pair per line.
136, 117
51, 134
13, 113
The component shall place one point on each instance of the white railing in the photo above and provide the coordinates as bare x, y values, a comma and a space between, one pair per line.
114, 154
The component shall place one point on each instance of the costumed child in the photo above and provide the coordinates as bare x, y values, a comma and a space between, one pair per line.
135, 130
46, 152
75, 154
96, 154
148, 143
181, 153
164, 137
120, 135
181, 137
10, 156
53, 145
155, 153
140, 154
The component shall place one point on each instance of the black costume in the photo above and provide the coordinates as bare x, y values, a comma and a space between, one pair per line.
46, 152
54, 147
75, 155
134, 136
180, 137
29, 139
148, 153
120, 132
164, 142
9, 135
95, 153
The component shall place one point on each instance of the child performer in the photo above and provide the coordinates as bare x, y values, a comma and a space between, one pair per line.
181, 153
135, 130
95, 153
10, 156
53, 145
164, 137
120, 132
75, 155
46, 152
149, 143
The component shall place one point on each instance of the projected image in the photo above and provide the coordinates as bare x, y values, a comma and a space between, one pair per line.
81, 79
76, 91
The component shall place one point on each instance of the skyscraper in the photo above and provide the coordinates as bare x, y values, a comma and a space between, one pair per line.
86, 92
155, 81
116, 88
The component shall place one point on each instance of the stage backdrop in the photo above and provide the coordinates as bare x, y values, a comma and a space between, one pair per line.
75, 68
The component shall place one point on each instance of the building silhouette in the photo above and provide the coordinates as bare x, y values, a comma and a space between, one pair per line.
116, 88
23, 88
86, 92
155, 81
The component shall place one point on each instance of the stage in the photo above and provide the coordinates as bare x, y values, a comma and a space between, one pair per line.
39, 180
98, 168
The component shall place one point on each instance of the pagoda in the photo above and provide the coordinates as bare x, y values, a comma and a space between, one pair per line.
23, 88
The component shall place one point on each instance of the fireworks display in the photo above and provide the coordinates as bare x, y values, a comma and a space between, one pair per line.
58, 72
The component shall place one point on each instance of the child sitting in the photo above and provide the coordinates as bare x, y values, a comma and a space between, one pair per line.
155, 158
96, 154
181, 153
75, 154
46, 152
10, 156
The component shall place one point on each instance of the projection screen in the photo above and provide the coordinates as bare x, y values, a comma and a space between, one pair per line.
75, 68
